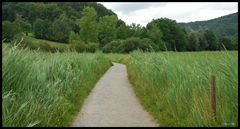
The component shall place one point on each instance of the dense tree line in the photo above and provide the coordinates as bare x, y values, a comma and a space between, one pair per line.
90, 26
221, 26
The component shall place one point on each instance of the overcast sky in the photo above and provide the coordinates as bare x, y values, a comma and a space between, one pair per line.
144, 12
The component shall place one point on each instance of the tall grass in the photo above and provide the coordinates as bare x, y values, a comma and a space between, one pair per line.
175, 87
47, 89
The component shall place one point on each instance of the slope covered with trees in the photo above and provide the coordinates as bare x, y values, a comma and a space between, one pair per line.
222, 26
89, 26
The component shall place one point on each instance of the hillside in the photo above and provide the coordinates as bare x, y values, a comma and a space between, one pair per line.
223, 26
49, 10
89, 26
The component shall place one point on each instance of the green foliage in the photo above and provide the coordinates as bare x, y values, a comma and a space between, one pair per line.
25, 14
222, 26
193, 40
9, 30
91, 22
174, 37
92, 47
77, 46
47, 89
122, 31
49, 10
8, 11
40, 28
130, 44
112, 47
211, 40
73, 37
155, 34
23, 24
88, 25
60, 29
107, 29
136, 30
229, 43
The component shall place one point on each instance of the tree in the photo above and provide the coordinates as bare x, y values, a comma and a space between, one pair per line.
155, 34
50, 11
9, 30
211, 40
203, 44
107, 29
60, 29
121, 32
40, 28
181, 42
23, 24
229, 43
136, 30
171, 33
88, 25
8, 11
193, 40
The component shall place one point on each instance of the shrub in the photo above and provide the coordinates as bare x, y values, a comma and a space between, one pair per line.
9, 30
92, 47
133, 43
47, 47
230, 43
112, 46
77, 45
130, 44
148, 45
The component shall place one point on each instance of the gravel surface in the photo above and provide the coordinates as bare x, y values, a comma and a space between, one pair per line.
112, 103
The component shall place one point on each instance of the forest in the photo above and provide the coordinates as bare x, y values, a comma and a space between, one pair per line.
222, 26
89, 26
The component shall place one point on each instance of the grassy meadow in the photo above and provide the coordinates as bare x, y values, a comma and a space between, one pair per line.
46, 89
175, 86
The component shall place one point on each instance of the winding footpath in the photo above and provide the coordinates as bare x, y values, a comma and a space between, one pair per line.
112, 103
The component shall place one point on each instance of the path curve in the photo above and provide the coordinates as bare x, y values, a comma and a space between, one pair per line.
112, 102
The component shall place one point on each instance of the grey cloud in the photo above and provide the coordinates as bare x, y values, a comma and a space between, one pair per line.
217, 6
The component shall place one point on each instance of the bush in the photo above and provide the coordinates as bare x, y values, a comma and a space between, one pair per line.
230, 43
9, 30
133, 43
77, 45
130, 44
92, 47
112, 46
73, 36
47, 47
148, 45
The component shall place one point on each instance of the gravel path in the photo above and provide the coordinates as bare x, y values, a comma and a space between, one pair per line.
112, 102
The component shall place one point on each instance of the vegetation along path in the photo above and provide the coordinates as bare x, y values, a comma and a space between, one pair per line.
112, 102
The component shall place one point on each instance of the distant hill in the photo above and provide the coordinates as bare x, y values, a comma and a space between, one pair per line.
222, 26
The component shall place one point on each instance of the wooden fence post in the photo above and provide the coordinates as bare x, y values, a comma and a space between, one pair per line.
213, 95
